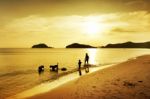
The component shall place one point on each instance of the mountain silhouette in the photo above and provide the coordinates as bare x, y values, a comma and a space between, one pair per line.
41, 45
77, 45
128, 45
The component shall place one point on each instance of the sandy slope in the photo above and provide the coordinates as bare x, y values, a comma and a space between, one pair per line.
128, 80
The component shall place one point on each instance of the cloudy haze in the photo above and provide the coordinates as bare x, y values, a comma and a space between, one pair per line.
61, 22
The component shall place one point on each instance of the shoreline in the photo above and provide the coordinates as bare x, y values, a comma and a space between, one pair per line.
119, 81
55, 79
50, 85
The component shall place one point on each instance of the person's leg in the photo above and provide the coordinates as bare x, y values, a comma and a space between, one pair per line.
87, 61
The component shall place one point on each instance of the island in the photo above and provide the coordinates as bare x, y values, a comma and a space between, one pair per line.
77, 45
41, 45
128, 45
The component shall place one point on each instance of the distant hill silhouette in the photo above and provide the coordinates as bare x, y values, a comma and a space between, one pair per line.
41, 45
77, 45
128, 45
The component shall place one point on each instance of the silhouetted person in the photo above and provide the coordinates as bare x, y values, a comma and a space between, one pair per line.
86, 59
79, 64
79, 68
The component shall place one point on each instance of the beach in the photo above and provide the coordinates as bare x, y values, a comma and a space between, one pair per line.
17, 76
75, 49
127, 80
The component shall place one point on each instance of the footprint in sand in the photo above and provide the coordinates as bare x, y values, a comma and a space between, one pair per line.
129, 84
140, 81
106, 91
118, 79
93, 86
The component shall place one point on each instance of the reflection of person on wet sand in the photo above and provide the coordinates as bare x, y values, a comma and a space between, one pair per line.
79, 68
86, 59
86, 68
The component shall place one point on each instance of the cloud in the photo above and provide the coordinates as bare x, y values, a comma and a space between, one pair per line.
64, 29
131, 22
121, 22
138, 4
120, 30
22, 8
127, 22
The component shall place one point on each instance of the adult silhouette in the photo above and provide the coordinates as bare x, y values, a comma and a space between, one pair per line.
86, 59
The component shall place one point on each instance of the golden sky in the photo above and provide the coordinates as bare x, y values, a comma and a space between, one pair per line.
61, 22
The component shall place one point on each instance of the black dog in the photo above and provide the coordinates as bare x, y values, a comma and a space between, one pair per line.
53, 67
41, 69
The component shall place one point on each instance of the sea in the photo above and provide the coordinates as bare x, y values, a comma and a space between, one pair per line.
19, 66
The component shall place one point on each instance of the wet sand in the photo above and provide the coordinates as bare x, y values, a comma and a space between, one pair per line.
127, 80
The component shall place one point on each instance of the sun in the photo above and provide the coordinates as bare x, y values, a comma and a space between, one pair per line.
91, 27
94, 26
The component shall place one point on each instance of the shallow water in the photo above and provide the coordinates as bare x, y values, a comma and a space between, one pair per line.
19, 66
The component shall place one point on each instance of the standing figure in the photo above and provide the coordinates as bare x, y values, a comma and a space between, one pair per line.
79, 68
79, 64
86, 59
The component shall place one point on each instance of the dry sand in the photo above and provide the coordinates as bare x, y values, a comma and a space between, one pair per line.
128, 80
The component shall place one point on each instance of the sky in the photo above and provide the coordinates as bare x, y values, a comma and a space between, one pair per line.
58, 23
